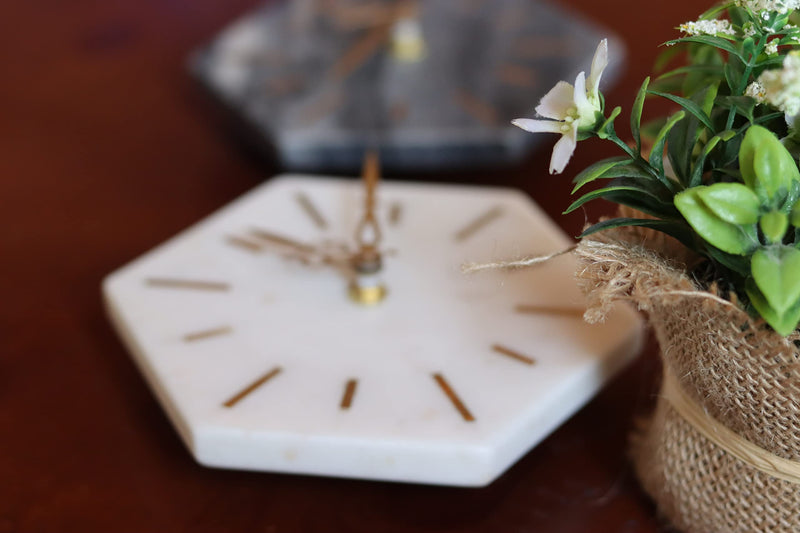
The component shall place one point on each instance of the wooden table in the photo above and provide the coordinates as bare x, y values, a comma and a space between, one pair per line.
109, 148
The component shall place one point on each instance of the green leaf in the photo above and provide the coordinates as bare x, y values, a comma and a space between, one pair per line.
773, 165
733, 73
668, 85
600, 193
743, 105
597, 170
748, 47
731, 238
775, 61
714, 11
726, 161
716, 42
646, 196
739, 16
776, 272
747, 151
783, 322
697, 172
769, 117
636, 114
630, 170
774, 225
739, 264
674, 229
794, 217
604, 129
657, 152
689, 106
683, 138
766, 165
644, 204
666, 55
707, 98
651, 128
732, 202
711, 70
696, 81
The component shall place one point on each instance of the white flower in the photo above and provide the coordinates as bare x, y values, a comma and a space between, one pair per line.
569, 109
708, 27
772, 47
756, 91
782, 86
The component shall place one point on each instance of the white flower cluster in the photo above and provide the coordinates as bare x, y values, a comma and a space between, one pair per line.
748, 30
772, 47
708, 27
781, 87
769, 6
756, 91
778, 6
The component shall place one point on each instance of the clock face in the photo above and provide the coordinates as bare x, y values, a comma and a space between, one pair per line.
321, 84
264, 363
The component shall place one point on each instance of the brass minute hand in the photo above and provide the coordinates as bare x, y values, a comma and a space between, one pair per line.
366, 287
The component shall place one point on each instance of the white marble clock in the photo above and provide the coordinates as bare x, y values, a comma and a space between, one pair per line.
263, 363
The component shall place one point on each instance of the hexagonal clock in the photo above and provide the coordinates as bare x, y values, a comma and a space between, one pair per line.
263, 362
432, 84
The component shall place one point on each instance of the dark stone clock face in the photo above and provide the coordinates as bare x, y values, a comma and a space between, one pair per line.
321, 88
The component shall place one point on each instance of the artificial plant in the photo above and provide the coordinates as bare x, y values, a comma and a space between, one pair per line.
720, 174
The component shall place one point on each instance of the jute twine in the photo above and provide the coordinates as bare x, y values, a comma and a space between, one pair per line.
721, 452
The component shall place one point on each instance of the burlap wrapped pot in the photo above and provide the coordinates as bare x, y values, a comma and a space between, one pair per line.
721, 452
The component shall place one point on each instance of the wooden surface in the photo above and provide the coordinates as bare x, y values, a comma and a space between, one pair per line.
108, 148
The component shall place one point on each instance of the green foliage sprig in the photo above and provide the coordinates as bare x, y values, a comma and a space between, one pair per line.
721, 174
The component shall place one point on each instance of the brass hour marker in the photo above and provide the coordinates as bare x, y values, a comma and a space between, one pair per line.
480, 110
199, 335
479, 223
349, 392
311, 210
502, 350
395, 213
453, 397
239, 396
187, 284
549, 310
357, 54
517, 75
245, 244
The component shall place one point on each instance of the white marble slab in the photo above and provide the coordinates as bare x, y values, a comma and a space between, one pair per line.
200, 345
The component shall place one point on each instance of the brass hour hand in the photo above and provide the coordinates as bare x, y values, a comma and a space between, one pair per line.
326, 254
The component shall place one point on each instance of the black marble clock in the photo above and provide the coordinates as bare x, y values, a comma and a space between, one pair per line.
431, 84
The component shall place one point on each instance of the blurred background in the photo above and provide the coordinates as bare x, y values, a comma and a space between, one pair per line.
117, 133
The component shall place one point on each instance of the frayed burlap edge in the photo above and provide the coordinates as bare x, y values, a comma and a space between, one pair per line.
734, 367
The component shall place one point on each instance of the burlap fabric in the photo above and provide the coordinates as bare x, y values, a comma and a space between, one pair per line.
741, 373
